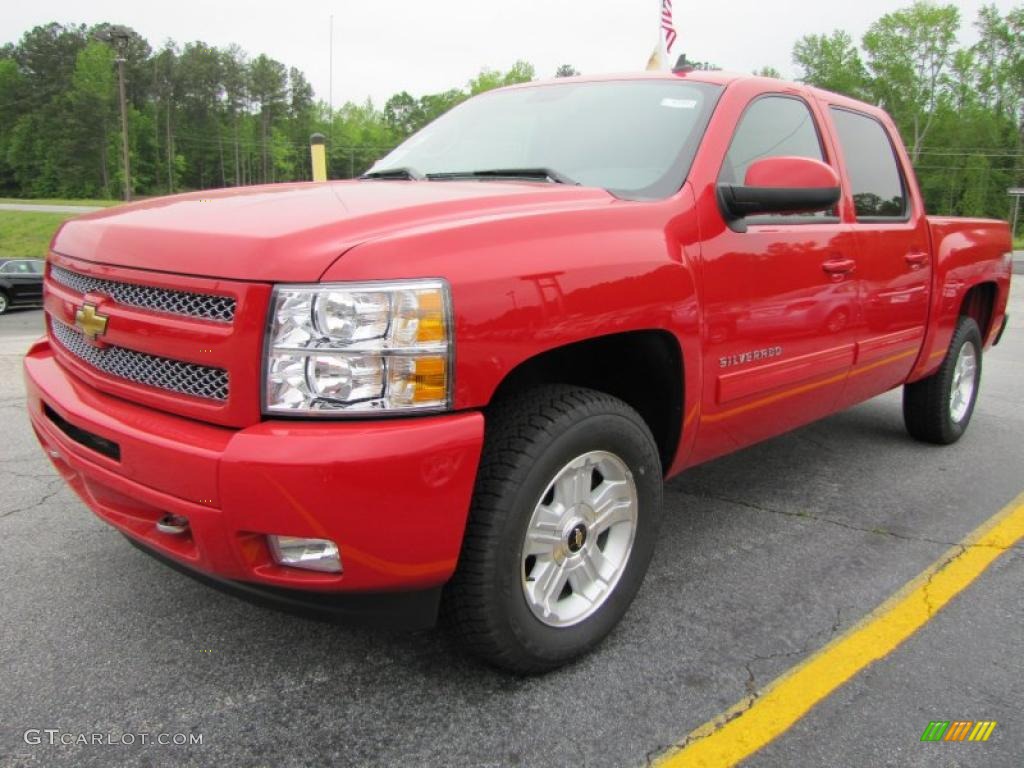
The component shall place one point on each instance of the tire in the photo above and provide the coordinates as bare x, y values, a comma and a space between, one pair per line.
496, 601
932, 411
5, 303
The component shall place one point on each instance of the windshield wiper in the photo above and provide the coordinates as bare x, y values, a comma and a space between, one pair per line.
543, 174
403, 172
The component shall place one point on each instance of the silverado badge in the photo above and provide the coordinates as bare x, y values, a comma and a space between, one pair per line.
92, 323
749, 357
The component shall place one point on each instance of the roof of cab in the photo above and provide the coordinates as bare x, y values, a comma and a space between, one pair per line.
715, 77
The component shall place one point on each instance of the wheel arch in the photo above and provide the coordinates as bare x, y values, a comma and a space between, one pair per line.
979, 303
643, 368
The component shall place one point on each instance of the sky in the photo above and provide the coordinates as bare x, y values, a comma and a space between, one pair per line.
381, 48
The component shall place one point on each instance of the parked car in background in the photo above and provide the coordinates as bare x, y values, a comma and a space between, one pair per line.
21, 283
461, 380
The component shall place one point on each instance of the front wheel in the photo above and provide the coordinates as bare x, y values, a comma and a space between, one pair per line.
562, 528
939, 408
4, 303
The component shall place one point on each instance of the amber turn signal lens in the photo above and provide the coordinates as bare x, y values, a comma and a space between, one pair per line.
430, 380
431, 311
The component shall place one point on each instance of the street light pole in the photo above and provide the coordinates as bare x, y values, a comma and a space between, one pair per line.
124, 130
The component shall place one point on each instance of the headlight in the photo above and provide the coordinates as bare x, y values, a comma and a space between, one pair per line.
358, 348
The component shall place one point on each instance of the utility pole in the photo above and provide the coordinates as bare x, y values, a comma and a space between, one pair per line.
124, 128
330, 90
118, 36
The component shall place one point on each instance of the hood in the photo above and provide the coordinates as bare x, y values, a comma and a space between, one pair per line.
293, 232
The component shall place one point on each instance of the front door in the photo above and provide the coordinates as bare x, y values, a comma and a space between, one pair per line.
780, 299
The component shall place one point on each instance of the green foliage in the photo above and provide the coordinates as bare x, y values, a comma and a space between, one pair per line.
832, 62
198, 116
960, 111
201, 116
489, 79
910, 54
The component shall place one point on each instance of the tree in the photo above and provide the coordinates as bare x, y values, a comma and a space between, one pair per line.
768, 72
403, 113
93, 101
831, 62
234, 78
489, 79
46, 56
166, 92
910, 53
14, 100
566, 70
268, 84
1000, 71
433, 105
199, 91
137, 53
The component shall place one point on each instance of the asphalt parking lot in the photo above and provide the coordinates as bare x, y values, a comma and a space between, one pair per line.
764, 557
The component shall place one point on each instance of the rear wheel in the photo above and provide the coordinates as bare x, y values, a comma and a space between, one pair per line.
939, 408
562, 528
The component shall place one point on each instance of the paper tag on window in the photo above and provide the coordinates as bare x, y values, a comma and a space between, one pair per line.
679, 103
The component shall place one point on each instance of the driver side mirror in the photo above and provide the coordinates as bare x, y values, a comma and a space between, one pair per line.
779, 185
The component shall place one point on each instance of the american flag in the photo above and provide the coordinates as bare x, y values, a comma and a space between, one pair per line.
666, 24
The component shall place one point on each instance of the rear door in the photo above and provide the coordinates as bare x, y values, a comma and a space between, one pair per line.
780, 299
894, 261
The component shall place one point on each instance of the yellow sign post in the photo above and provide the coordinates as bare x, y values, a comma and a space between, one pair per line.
318, 156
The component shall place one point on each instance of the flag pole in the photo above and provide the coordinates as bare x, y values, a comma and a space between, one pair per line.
661, 58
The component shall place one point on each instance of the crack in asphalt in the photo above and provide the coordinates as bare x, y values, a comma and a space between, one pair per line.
840, 524
961, 550
753, 693
27, 476
59, 481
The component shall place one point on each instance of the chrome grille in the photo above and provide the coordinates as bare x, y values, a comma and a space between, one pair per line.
153, 371
220, 308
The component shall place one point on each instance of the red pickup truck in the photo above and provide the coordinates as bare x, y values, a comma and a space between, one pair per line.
459, 381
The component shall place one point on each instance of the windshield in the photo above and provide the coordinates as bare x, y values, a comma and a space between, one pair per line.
26, 267
634, 138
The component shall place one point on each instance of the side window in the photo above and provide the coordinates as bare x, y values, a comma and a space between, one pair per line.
7, 269
772, 126
875, 179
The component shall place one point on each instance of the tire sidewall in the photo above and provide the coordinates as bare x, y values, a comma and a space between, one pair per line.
5, 303
616, 434
966, 333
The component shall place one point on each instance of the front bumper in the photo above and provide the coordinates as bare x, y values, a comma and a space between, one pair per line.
394, 494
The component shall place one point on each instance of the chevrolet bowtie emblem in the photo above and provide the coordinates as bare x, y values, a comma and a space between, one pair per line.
92, 323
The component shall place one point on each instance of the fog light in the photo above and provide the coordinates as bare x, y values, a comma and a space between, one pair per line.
311, 554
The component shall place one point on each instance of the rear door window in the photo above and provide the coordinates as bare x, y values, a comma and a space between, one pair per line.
876, 183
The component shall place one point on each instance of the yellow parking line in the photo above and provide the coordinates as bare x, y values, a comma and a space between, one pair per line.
763, 716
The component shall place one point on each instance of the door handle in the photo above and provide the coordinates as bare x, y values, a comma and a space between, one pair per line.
839, 267
917, 259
